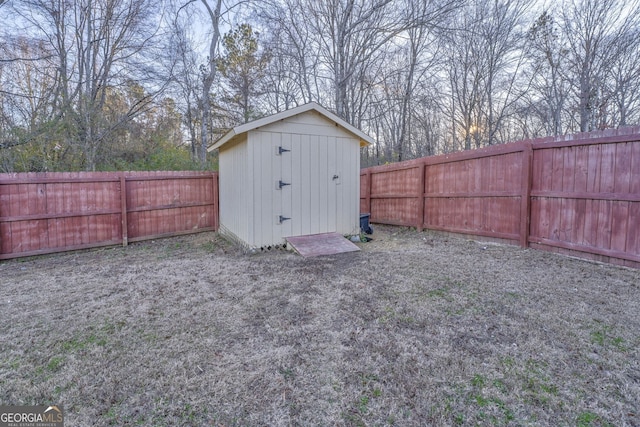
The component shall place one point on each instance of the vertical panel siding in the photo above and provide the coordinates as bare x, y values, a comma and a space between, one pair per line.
348, 220
288, 192
332, 186
267, 171
235, 174
315, 187
273, 199
304, 151
315, 202
319, 175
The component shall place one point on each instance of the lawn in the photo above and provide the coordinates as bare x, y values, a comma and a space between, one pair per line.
416, 329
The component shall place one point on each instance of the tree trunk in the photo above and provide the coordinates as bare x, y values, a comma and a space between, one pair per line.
205, 126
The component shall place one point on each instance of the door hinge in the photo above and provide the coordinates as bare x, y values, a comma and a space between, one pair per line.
282, 150
282, 184
282, 219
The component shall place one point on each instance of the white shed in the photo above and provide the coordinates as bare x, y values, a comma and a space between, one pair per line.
290, 174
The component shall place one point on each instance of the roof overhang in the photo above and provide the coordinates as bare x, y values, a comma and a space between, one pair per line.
239, 130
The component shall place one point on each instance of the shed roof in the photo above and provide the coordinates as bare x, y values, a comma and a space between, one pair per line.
238, 130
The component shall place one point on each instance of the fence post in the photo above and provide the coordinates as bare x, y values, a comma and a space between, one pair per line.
525, 201
421, 184
123, 204
216, 200
368, 190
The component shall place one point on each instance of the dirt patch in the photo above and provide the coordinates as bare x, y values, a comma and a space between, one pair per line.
416, 329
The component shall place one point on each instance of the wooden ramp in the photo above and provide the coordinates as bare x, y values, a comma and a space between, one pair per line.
321, 244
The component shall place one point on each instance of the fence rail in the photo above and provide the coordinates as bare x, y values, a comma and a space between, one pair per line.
578, 194
52, 212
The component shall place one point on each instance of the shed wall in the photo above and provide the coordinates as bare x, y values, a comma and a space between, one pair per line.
308, 123
348, 197
234, 189
262, 188
315, 202
251, 167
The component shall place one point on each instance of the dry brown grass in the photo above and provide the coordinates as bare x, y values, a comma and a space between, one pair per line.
417, 329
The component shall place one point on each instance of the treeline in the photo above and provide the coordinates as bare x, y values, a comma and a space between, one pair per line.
123, 84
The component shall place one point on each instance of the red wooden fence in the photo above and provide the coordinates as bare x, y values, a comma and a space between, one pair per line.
51, 212
578, 194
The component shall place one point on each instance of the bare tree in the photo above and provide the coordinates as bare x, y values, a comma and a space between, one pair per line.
209, 70
624, 80
483, 58
26, 89
419, 61
464, 67
186, 76
422, 77
293, 44
349, 34
94, 45
596, 32
286, 86
216, 11
547, 52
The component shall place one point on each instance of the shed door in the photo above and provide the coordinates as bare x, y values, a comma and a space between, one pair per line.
310, 200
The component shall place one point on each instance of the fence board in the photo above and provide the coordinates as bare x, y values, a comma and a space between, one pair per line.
394, 211
576, 193
619, 218
607, 171
52, 212
474, 195
622, 173
402, 182
581, 170
542, 166
568, 169
161, 206
633, 231
593, 176
634, 177
557, 169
